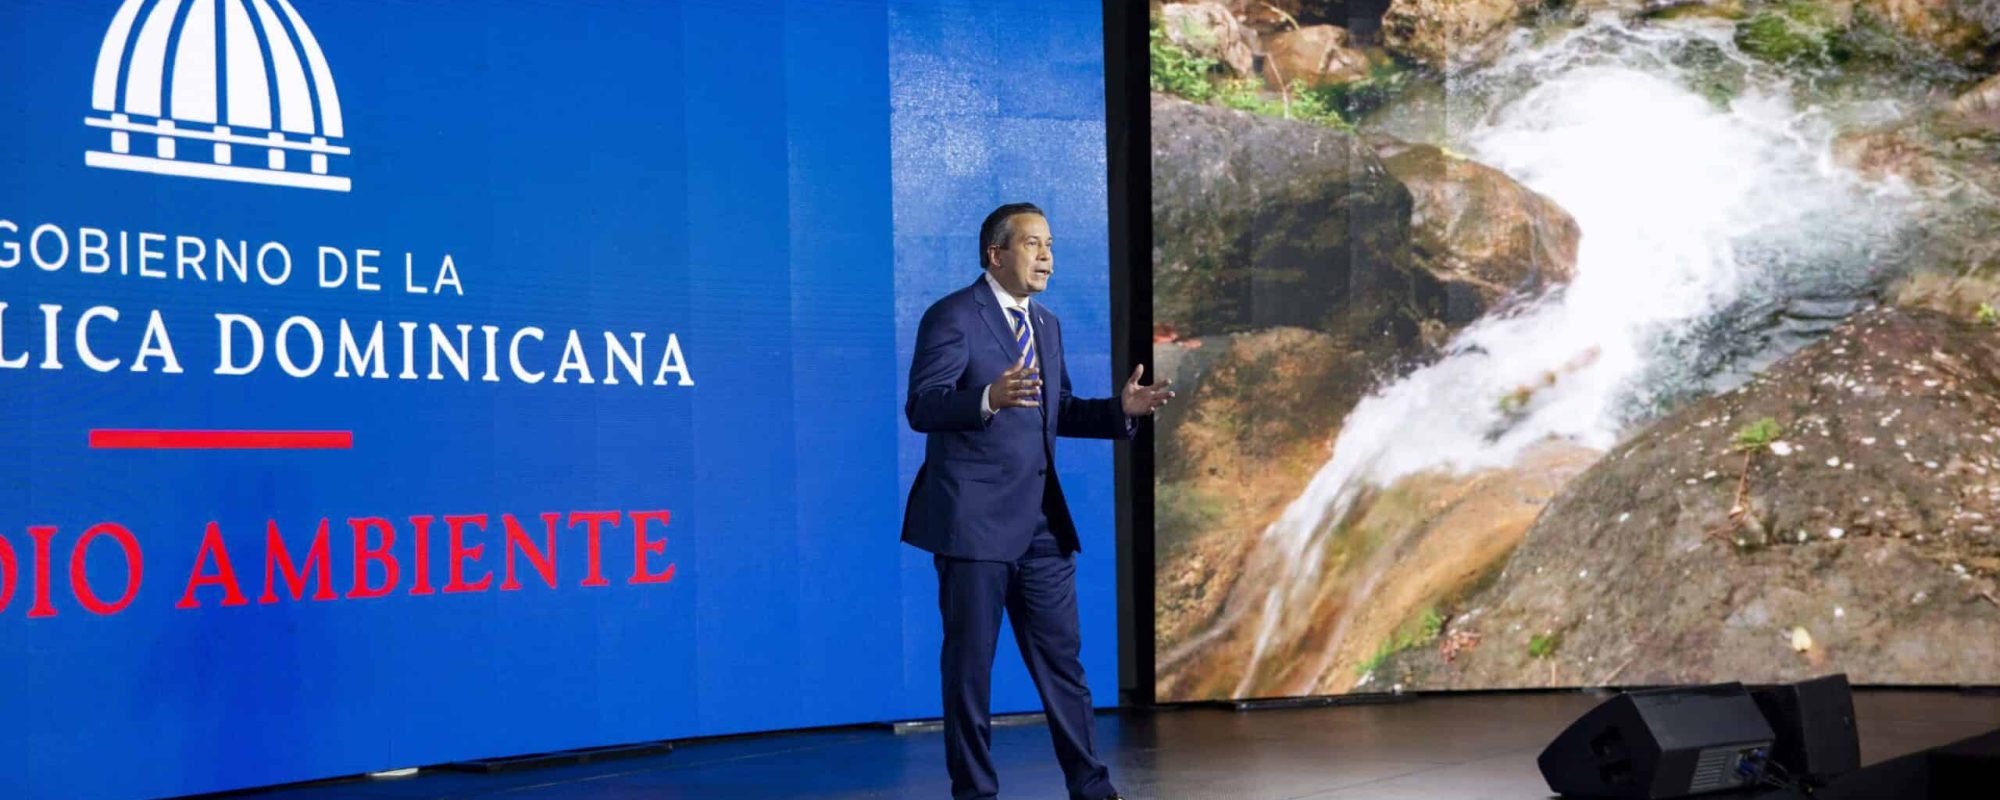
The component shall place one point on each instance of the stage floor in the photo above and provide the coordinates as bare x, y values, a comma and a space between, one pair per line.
1453, 747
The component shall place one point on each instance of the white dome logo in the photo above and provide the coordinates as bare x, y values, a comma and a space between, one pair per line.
268, 115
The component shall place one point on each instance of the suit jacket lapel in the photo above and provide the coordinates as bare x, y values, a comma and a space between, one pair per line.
996, 319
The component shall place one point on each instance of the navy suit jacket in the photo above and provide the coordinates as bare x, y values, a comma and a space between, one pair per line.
984, 482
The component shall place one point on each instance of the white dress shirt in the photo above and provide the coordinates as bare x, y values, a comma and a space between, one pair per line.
1007, 301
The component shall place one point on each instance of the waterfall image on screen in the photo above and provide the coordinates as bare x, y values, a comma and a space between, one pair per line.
1594, 343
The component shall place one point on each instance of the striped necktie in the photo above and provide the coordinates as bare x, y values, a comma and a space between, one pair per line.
1024, 339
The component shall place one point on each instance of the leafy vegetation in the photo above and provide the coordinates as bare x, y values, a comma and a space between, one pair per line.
1184, 510
1757, 434
1356, 98
1802, 33
1374, 662
1429, 624
1797, 33
1247, 94
1177, 71
1183, 73
1415, 633
1544, 645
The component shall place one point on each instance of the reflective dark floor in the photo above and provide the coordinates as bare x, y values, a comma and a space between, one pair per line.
1461, 748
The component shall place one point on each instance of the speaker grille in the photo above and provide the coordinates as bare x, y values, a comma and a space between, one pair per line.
1714, 769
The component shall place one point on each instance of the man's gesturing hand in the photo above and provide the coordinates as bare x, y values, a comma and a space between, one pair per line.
1141, 401
1018, 387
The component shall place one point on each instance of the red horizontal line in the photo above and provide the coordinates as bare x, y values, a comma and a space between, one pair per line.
220, 440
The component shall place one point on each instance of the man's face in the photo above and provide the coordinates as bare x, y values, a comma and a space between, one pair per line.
1023, 266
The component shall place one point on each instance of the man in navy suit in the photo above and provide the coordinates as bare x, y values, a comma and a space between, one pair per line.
987, 502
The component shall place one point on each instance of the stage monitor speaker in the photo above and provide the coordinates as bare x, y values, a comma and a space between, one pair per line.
1967, 769
1661, 743
1814, 723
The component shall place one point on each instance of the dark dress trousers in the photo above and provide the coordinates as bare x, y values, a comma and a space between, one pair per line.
988, 504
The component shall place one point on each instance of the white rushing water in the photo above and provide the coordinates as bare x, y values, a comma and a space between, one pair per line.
1687, 210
